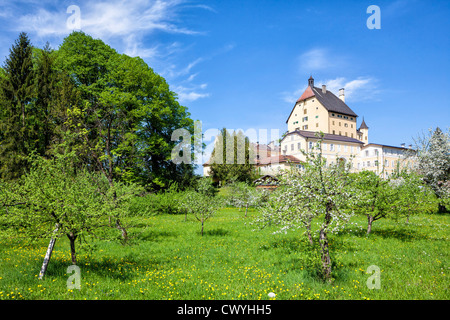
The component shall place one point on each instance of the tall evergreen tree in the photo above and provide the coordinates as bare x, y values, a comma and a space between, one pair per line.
45, 98
16, 115
232, 158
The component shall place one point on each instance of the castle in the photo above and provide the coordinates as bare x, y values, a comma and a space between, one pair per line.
319, 110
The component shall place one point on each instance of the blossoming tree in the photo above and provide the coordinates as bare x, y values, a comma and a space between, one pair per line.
319, 192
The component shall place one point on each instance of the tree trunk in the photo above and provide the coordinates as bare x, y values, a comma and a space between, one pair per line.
326, 259
124, 231
246, 208
202, 228
72, 238
323, 240
442, 208
369, 223
308, 231
48, 254
311, 242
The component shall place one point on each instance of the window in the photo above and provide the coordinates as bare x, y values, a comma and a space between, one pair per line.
304, 111
332, 114
340, 124
305, 127
345, 149
386, 163
376, 163
339, 148
299, 146
295, 122
376, 152
367, 153
310, 145
333, 122
317, 117
331, 147
317, 125
324, 146
346, 125
345, 133
351, 126
305, 119
340, 133
292, 147
339, 116
368, 163
352, 135
351, 118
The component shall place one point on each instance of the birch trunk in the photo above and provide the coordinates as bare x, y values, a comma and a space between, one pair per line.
48, 254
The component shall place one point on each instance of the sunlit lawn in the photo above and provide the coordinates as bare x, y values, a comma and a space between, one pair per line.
171, 260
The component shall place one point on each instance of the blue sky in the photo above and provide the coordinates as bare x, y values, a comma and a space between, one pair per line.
243, 64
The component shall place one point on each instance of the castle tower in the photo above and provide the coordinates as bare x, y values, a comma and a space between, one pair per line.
363, 132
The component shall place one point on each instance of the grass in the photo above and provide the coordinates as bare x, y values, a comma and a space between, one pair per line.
170, 260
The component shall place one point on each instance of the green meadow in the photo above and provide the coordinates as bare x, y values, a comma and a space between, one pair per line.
168, 259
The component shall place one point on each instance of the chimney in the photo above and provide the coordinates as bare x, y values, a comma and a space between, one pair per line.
410, 146
324, 88
341, 94
403, 145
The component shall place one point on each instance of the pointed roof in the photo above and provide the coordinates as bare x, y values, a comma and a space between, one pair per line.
330, 101
363, 125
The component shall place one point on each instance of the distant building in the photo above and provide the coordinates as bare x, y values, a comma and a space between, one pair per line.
319, 110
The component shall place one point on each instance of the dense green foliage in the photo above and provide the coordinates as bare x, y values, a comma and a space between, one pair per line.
109, 111
232, 158
18, 117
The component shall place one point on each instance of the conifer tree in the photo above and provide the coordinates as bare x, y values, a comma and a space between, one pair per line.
16, 115
232, 158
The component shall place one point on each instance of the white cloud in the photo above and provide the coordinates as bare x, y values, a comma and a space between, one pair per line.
313, 60
125, 23
185, 95
191, 93
107, 19
359, 89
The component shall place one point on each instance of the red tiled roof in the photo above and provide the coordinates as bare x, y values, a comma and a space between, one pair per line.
279, 159
307, 94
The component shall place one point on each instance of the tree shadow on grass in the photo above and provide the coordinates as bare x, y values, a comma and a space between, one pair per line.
154, 235
116, 270
216, 232
399, 234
